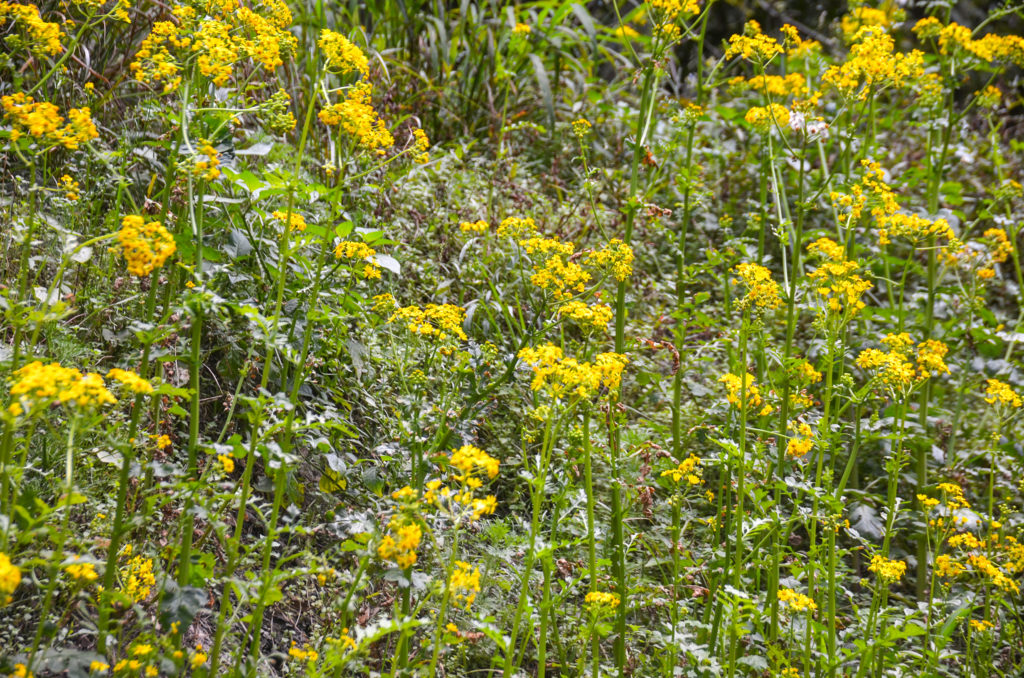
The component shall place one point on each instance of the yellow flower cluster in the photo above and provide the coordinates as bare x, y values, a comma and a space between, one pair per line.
356, 116
43, 121
219, 35
947, 568
1002, 246
596, 316
562, 277
433, 320
361, 252
80, 571
964, 540
341, 55
616, 258
130, 380
872, 65
145, 246
761, 118
471, 460
43, 36
560, 376
472, 467
931, 355
70, 187
306, 653
836, 280
209, 166
138, 578
796, 600
154, 63
753, 45
802, 443
479, 226
860, 18
915, 229
400, 544
762, 291
10, 577
998, 578
420, 146
384, 303
793, 84
1000, 392
735, 387
797, 46
599, 601
516, 227
537, 245
198, 658
894, 368
872, 191
688, 468
295, 221
464, 584
956, 38
888, 571
581, 127
38, 384
670, 10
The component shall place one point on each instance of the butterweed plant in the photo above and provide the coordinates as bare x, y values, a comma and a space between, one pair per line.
665, 338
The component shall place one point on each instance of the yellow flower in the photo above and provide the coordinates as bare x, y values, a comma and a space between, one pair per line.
43, 36
762, 118
947, 568
295, 221
145, 246
873, 64
600, 602
138, 579
355, 116
689, 469
581, 127
560, 376
888, 571
43, 121
420, 145
735, 386
401, 542
226, 462
358, 251
198, 657
342, 56
10, 577
762, 291
616, 258
596, 316
37, 384
753, 45
863, 17
305, 653
98, 667
437, 321
516, 227
70, 188
797, 601
81, 571
1000, 392
836, 280
130, 380
464, 583
480, 226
